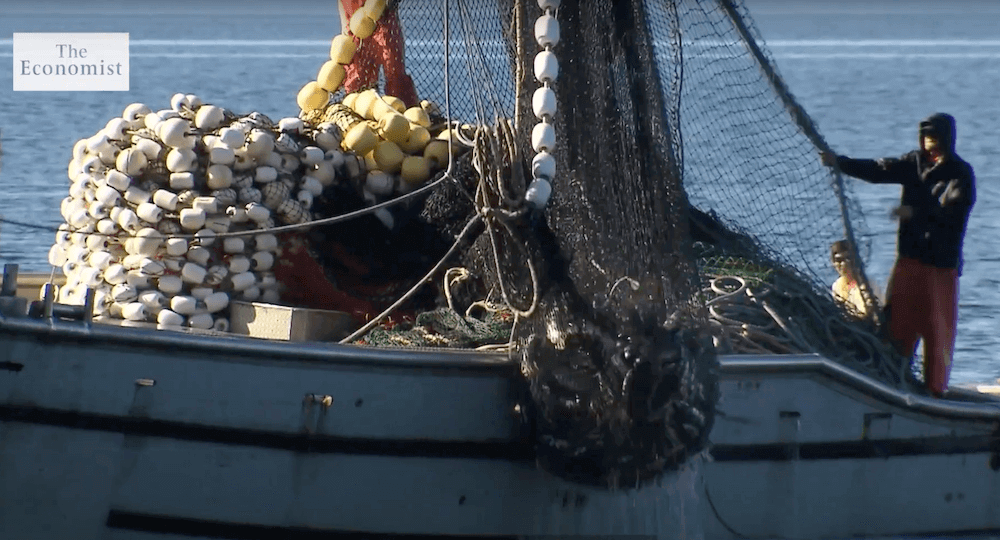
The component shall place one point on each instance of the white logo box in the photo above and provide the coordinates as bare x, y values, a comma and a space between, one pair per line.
62, 62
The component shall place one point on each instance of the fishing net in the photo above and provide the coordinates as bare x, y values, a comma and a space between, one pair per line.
690, 214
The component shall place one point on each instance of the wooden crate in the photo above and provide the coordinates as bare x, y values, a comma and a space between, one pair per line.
271, 321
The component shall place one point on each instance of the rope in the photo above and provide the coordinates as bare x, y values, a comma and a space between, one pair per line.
753, 316
279, 229
490, 187
492, 215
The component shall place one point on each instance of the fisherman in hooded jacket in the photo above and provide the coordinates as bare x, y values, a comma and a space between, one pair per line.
939, 190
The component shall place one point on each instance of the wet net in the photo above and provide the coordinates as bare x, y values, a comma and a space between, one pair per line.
690, 214
688, 170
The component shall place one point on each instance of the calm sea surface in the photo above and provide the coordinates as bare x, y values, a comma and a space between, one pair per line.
866, 72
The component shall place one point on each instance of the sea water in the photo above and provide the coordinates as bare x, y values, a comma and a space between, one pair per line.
866, 72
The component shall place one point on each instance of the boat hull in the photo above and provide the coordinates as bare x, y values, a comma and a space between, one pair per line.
109, 432
210, 436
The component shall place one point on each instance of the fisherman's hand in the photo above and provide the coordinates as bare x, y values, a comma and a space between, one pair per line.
903, 212
828, 158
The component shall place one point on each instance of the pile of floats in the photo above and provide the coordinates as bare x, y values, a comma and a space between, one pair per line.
170, 213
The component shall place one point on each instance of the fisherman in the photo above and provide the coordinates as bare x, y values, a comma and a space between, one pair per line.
846, 288
939, 190
385, 49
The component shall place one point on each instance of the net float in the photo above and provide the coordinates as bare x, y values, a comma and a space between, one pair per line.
342, 49
388, 157
361, 25
201, 321
208, 117
180, 181
331, 75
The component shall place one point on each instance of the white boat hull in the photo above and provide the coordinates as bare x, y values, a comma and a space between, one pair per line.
110, 432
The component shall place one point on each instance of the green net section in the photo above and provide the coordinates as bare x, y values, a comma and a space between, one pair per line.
487, 328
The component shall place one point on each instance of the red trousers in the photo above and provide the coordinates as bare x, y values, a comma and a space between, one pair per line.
924, 305
386, 49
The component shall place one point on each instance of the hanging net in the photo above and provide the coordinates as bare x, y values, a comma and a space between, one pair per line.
689, 200
689, 213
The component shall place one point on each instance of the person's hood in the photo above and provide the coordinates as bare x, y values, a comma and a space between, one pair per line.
942, 127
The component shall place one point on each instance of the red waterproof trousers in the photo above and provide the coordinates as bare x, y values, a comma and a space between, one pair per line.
924, 305
386, 49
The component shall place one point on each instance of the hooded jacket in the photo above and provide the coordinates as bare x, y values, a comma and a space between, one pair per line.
941, 194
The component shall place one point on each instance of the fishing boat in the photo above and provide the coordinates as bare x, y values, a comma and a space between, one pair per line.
118, 432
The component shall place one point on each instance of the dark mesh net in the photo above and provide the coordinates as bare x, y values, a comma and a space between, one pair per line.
690, 213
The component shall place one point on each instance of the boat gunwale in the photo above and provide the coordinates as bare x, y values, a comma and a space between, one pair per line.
976, 406
250, 347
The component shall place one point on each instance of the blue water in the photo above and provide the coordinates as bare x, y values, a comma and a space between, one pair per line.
865, 71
